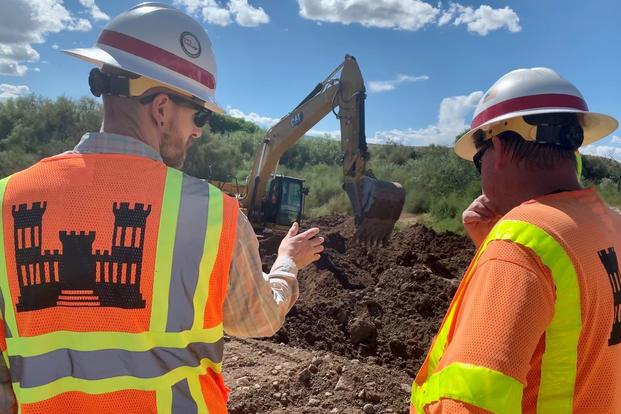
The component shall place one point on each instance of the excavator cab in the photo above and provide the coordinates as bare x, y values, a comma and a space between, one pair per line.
276, 201
284, 201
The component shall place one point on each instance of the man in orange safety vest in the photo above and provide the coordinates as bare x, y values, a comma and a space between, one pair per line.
535, 326
119, 274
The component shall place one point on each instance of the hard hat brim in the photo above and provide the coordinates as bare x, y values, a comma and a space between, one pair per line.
595, 126
117, 58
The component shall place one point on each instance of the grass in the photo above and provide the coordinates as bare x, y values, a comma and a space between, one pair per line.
609, 191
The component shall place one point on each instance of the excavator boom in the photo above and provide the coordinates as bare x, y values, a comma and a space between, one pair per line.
376, 204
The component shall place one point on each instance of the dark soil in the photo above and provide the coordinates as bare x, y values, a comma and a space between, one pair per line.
379, 307
383, 303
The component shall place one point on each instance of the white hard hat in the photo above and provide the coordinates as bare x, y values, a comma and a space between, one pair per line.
162, 44
522, 95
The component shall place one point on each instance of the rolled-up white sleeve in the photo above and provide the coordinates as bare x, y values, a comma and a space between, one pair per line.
256, 303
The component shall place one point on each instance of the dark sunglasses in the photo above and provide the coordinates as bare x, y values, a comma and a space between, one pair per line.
477, 157
200, 117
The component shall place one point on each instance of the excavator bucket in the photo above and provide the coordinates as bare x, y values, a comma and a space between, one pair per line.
377, 206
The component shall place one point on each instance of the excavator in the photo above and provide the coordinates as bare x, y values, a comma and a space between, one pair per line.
276, 201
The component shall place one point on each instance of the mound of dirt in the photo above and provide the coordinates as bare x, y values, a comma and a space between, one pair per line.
380, 305
360, 330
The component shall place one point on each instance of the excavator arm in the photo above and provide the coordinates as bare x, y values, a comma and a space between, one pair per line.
284, 135
376, 204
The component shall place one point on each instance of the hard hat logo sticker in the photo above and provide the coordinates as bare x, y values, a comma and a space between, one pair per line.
190, 44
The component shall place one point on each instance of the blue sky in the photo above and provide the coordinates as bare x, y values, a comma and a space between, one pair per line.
425, 64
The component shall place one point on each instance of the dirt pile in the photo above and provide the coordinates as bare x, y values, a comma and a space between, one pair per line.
359, 331
381, 305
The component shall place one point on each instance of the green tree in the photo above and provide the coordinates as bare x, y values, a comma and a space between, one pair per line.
226, 124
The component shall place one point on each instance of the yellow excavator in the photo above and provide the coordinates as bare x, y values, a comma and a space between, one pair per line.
276, 201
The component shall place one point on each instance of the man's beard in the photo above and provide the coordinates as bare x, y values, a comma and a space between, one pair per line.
173, 151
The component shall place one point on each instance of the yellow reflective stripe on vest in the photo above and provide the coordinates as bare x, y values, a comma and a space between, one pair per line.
210, 251
9, 310
106, 385
560, 359
164, 399
479, 386
94, 341
579, 166
5, 356
165, 248
197, 394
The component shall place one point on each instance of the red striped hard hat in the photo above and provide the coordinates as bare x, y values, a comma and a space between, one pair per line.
525, 93
159, 42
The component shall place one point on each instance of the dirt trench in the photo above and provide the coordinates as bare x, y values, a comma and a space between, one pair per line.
367, 314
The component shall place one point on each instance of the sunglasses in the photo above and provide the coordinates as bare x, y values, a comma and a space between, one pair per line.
200, 117
477, 157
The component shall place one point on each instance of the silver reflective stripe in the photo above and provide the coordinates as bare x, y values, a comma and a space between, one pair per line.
182, 401
92, 365
189, 240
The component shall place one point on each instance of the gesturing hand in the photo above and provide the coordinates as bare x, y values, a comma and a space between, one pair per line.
479, 218
303, 248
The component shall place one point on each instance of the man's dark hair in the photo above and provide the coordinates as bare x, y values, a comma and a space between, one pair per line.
533, 155
536, 156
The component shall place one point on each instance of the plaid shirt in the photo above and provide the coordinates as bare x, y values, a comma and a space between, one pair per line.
256, 303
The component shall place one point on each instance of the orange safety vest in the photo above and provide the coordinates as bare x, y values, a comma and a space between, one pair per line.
582, 342
113, 280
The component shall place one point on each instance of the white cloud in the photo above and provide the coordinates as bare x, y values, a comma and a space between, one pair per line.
606, 151
12, 55
213, 12
55, 46
27, 22
451, 121
12, 91
396, 14
246, 15
482, 20
616, 139
37, 69
18, 52
409, 14
391, 85
80, 25
12, 68
267, 122
446, 17
262, 121
95, 11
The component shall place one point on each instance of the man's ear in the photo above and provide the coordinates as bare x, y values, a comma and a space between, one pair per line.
501, 156
161, 109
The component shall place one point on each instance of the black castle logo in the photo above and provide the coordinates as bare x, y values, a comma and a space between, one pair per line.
77, 276
611, 264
